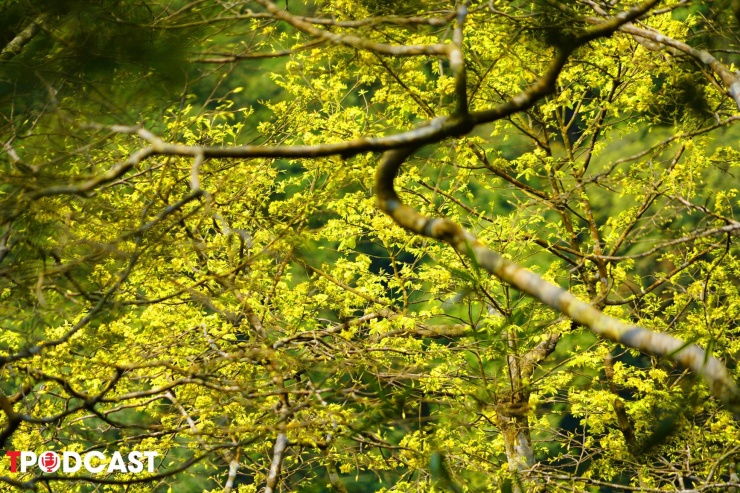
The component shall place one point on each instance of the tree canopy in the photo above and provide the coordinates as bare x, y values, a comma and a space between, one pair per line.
363, 246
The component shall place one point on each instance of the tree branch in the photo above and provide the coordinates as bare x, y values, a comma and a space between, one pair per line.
16, 45
730, 80
281, 443
658, 344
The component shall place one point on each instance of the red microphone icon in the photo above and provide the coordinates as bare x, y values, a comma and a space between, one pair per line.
49, 461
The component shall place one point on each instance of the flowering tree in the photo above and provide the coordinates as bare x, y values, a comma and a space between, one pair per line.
358, 246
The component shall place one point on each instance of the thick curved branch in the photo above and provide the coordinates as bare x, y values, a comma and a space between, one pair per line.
658, 344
